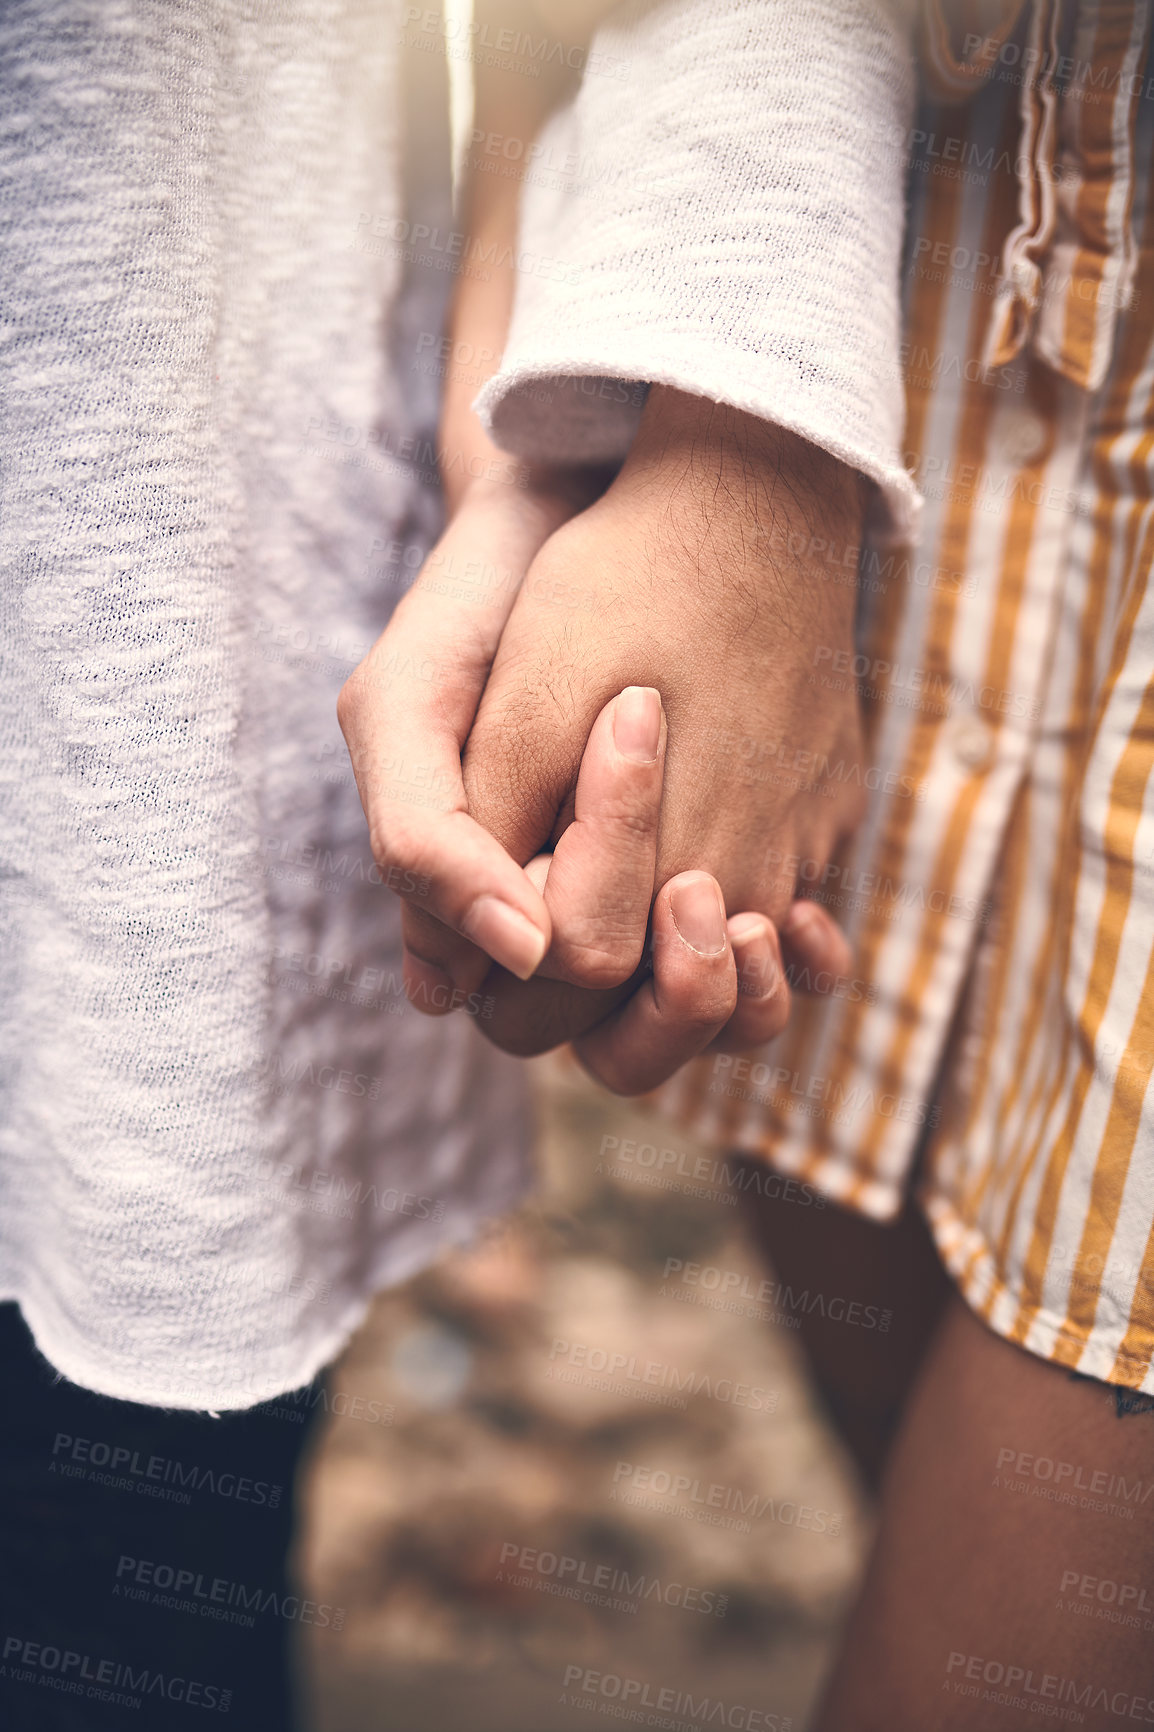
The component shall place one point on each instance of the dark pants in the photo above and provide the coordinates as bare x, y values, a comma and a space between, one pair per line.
142, 1557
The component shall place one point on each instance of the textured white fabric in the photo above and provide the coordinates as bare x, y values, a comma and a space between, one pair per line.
723, 201
220, 1128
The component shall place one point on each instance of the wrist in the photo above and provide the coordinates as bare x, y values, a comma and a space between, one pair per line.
676, 426
539, 495
780, 505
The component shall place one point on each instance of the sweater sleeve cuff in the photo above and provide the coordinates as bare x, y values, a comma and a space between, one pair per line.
720, 209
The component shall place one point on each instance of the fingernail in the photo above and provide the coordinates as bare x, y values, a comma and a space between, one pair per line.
754, 951
637, 724
506, 935
699, 915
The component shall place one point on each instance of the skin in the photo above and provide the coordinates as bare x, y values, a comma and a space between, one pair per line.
468, 777
969, 1563
863, 1374
685, 980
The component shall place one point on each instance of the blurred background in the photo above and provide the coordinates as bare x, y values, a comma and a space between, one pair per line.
552, 1481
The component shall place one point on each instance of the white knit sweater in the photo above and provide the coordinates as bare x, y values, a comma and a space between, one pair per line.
220, 1128
724, 205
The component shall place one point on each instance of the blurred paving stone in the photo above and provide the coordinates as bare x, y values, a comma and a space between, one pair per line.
554, 1462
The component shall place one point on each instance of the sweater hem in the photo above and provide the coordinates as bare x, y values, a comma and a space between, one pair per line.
86, 1366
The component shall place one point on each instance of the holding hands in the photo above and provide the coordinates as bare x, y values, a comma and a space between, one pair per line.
592, 787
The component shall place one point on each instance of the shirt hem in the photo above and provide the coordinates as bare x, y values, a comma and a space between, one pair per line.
91, 1370
997, 1300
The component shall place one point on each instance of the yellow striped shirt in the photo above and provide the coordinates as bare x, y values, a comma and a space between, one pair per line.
999, 896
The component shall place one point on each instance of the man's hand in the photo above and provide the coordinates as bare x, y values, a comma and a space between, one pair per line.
694, 574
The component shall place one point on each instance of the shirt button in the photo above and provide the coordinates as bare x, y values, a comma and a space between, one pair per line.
1021, 436
973, 743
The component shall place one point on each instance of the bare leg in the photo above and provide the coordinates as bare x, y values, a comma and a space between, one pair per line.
989, 1603
864, 1374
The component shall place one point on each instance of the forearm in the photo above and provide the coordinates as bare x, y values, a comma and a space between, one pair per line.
509, 106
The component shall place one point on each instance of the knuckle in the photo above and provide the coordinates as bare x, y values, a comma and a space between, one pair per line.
402, 838
629, 824
429, 944
697, 1008
599, 963
392, 845
348, 703
349, 697
350, 700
